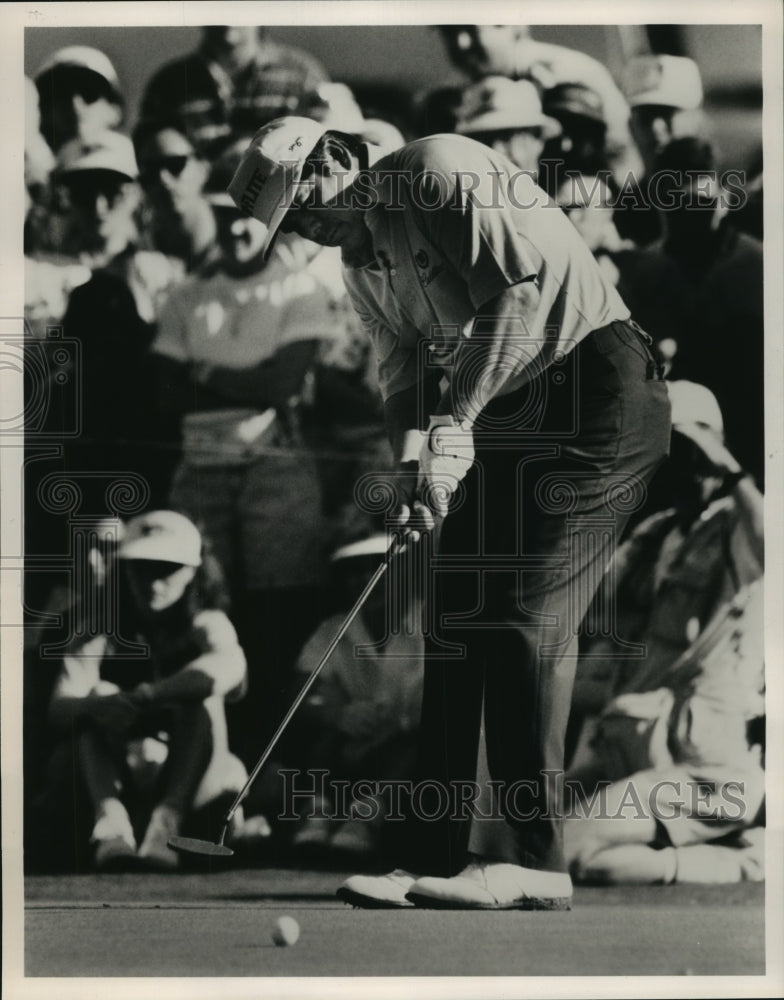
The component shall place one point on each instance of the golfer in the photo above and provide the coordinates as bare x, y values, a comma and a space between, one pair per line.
526, 414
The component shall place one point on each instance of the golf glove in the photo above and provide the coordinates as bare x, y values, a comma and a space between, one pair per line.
447, 455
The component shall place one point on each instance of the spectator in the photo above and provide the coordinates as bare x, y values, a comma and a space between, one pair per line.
506, 115
238, 79
687, 587
103, 705
697, 287
38, 157
74, 604
80, 95
113, 317
172, 173
665, 95
481, 50
334, 104
588, 201
581, 144
48, 281
748, 217
361, 717
234, 350
98, 178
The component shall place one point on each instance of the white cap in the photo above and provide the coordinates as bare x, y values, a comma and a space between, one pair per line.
672, 81
105, 151
271, 167
84, 57
694, 404
497, 104
162, 536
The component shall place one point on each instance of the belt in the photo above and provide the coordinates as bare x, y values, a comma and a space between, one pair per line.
605, 339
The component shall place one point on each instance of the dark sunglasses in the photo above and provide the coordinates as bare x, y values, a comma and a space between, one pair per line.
150, 170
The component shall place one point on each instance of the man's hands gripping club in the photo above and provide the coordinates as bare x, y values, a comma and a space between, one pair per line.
425, 487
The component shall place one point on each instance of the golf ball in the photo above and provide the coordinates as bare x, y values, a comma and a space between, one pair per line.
286, 932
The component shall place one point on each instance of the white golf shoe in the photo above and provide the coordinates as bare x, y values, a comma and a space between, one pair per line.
378, 891
491, 885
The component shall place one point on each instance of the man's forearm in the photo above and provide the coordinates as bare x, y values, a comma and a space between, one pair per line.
499, 355
406, 416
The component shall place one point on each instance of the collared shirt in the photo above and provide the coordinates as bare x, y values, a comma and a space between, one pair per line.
453, 226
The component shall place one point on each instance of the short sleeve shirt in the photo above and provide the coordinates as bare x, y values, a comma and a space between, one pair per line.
454, 225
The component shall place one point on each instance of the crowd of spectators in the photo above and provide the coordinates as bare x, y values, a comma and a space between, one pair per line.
238, 395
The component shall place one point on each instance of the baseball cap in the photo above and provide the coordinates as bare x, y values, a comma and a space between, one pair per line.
497, 103
694, 404
107, 150
81, 57
672, 81
162, 536
266, 179
574, 99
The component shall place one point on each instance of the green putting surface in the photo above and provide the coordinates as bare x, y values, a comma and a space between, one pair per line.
221, 924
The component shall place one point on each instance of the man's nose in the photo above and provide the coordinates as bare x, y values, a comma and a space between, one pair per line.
101, 206
660, 131
464, 40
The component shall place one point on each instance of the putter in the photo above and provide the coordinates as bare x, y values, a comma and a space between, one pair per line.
192, 845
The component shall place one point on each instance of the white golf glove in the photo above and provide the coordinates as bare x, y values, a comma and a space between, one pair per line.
446, 456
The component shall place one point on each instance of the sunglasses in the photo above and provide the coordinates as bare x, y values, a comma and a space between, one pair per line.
150, 170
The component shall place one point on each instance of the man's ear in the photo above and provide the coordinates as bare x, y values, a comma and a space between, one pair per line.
337, 160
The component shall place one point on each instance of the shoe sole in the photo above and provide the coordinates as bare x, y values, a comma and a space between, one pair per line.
433, 903
370, 902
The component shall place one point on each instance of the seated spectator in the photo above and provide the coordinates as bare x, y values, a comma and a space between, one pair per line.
665, 97
238, 79
234, 350
80, 95
698, 287
360, 719
119, 715
75, 603
581, 144
506, 115
682, 783
179, 220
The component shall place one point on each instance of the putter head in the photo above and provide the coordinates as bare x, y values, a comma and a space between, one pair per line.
190, 845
